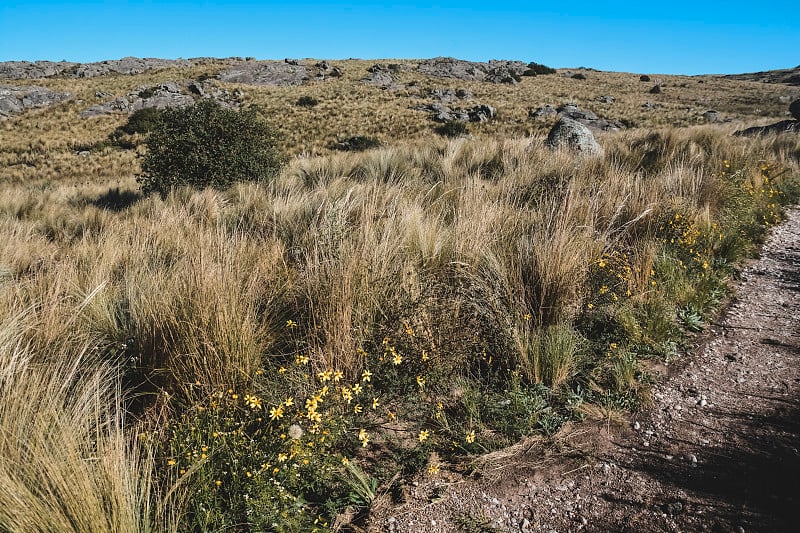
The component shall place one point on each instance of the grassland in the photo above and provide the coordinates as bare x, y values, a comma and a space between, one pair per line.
263, 357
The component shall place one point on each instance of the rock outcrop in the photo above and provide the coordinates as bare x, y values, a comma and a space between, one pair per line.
442, 113
784, 126
384, 76
170, 94
571, 134
573, 112
493, 72
15, 100
271, 73
26, 70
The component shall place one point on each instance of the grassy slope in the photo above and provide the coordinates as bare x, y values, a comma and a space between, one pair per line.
463, 275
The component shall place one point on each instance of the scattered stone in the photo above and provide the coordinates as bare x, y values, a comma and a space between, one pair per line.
270, 73
545, 111
651, 105
578, 76
655, 90
571, 134
606, 99
481, 113
644, 77
712, 116
383, 76
15, 100
442, 113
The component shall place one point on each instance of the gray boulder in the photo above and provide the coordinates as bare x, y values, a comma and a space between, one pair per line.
656, 89
589, 119
381, 75
25, 70
644, 77
571, 134
794, 109
16, 100
268, 73
606, 99
712, 116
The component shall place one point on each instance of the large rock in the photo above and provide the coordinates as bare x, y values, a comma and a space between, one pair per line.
571, 134
794, 109
384, 76
494, 71
15, 100
571, 111
785, 126
442, 113
271, 73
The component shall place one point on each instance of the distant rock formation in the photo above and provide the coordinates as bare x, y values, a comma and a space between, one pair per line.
274, 73
571, 134
442, 113
493, 72
789, 76
15, 100
384, 76
169, 94
26, 70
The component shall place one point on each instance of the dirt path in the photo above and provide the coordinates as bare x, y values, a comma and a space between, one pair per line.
719, 450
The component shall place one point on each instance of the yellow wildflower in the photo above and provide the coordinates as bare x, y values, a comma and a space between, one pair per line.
423, 435
276, 412
375, 403
366, 375
357, 409
470, 438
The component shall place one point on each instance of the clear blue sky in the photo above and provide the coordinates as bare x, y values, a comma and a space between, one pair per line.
660, 36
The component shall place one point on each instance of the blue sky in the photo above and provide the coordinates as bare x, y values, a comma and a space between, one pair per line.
646, 36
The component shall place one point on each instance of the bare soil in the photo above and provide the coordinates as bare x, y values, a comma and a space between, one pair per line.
717, 451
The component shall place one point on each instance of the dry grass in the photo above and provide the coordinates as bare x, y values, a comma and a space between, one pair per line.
480, 246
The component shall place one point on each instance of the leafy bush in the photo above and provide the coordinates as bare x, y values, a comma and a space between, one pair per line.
141, 121
208, 145
453, 128
306, 101
358, 143
536, 69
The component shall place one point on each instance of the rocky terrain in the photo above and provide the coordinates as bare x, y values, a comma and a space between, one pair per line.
17, 99
789, 76
36, 70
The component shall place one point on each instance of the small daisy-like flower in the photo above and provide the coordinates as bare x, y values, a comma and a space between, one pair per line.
363, 436
357, 389
288, 402
282, 370
171, 462
282, 457
375, 403
345, 461
218, 483
358, 409
366, 375
424, 355
421, 382
392, 415
423, 435
433, 469
276, 412
301, 359
397, 359
470, 438
338, 375
291, 324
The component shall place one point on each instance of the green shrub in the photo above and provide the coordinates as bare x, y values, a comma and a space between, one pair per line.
306, 101
208, 145
453, 128
535, 69
358, 143
141, 121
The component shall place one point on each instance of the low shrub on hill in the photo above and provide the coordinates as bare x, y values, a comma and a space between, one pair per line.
208, 145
